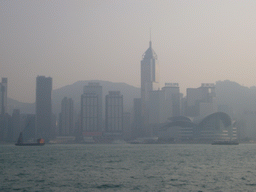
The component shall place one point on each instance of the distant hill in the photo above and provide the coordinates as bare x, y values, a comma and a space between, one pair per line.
238, 97
75, 91
230, 93
27, 108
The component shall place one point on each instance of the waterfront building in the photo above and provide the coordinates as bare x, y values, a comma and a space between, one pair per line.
90, 113
114, 113
172, 100
5, 118
91, 110
201, 101
127, 125
164, 103
216, 126
138, 121
16, 127
54, 126
226, 109
156, 107
149, 82
66, 121
96, 88
43, 107
3, 96
249, 129
149, 78
5, 126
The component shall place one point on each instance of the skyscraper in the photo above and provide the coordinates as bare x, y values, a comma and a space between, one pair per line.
91, 109
16, 125
201, 101
172, 99
67, 117
127, 126
156, 108
3, 96
43, 107
114, 113
138, 124
149, 73
149, 82
5, 119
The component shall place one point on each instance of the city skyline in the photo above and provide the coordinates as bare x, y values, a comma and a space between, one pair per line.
196, 41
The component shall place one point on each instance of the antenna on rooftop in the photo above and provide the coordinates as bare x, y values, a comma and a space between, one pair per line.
150, 37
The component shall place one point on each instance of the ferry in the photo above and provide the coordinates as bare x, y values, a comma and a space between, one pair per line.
234, 142
40, 142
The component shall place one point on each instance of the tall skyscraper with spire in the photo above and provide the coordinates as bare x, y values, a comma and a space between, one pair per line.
149, 82
149, 73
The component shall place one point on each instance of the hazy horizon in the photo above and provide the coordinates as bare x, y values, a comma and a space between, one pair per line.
196, 42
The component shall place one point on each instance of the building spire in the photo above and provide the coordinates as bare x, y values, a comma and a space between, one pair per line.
150, 43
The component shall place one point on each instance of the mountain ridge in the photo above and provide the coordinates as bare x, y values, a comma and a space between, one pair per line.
238, 97
75, 91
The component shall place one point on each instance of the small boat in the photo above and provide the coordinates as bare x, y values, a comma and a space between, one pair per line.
40, 142
233, 142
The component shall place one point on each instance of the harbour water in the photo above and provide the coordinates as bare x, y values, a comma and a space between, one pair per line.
127, 167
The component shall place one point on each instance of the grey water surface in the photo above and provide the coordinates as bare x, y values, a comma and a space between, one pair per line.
127, 167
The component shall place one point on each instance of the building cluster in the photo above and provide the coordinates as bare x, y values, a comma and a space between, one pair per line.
161, 113
93, 127
88, 126
165, 113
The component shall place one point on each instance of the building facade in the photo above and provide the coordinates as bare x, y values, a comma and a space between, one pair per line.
3, 96
16, 125
44, 107
172, 100
114, 113
127, 126
90, 113
138, 122
201, 101
149, 83
91, 109
156, 107
149, 76
66, 127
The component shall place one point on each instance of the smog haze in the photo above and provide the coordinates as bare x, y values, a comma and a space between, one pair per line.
195, 41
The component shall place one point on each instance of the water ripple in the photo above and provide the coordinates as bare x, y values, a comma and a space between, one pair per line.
128, 168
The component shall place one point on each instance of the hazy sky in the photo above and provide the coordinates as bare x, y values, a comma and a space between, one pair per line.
196, 41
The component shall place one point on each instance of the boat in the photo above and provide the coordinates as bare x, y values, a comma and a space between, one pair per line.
233, 142
40, 142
